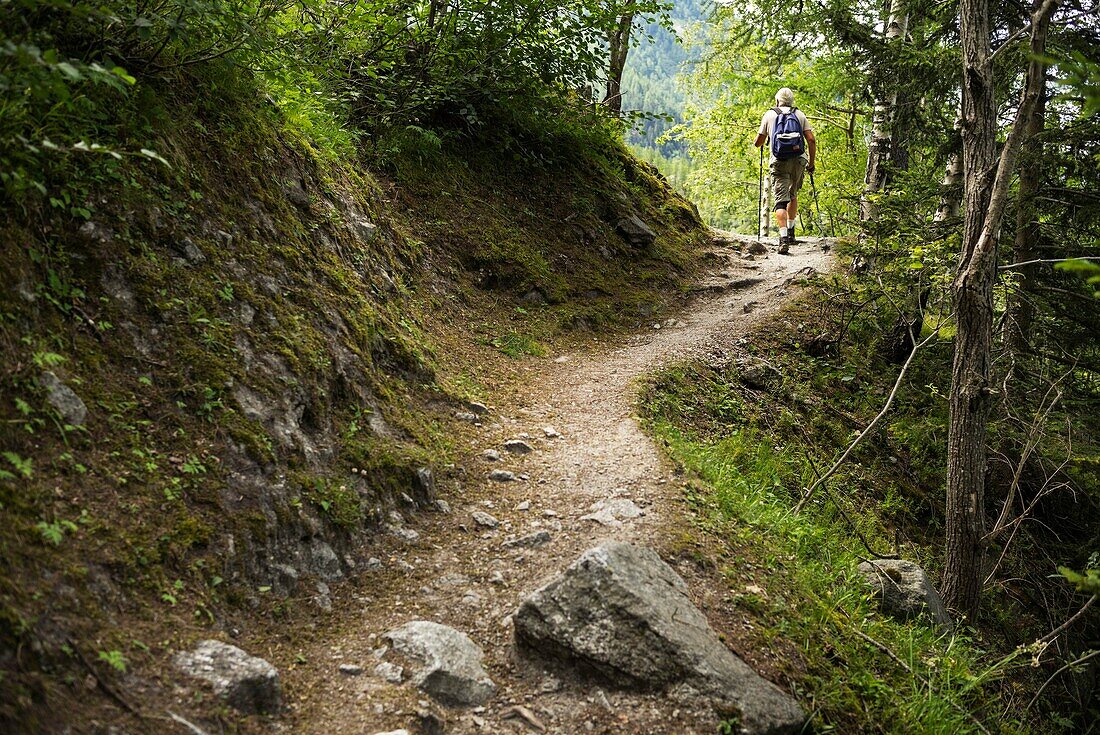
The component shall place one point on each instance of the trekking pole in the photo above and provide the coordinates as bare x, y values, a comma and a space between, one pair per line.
760, 197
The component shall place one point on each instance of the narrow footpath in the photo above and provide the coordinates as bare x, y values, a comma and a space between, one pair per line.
460, 569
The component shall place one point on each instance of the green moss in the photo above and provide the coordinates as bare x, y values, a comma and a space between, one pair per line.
335, 500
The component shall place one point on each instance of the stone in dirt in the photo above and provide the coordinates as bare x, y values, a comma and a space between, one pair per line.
491, 455
350, 669
551, 432
757, 248
622, 614
518, 446
389, 672
246, 682
759, 374
519, 712
450, 663
613, 512
530, 541
64, 399
470, 418
635, 231
904, 590
484, 520
502, 476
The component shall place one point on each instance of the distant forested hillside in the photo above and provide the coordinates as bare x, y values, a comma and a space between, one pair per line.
651, 85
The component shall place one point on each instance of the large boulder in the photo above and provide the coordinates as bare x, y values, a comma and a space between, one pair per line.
448, 664
246, 682
904, 590
621, 613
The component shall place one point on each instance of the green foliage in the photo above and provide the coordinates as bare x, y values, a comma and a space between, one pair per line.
75, 77
1089, 582
54, 532
1080, 74
1086, 268
515, 344
336, 500
23, 466
115, 659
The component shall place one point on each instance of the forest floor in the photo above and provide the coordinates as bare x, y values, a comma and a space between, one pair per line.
577, 412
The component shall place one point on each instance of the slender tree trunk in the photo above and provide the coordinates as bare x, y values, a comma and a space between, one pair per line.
951, 185
1020, 312
618, 41
882, 119
986, 194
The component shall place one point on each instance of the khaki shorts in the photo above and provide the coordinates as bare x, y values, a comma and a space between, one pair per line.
786, 179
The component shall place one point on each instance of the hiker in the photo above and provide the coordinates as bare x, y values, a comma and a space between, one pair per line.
793, 149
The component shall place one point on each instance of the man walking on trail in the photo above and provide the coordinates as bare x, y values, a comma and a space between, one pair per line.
793, 149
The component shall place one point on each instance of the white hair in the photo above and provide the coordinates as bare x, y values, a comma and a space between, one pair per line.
784, 97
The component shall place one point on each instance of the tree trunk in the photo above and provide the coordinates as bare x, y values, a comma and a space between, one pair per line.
952, 179
618, 41
986, 194
882, 120
1020, 312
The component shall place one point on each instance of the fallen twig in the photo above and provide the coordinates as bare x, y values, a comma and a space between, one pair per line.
191, 727
1077, 616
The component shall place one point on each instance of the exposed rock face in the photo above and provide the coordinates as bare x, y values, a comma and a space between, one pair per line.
246, 682
904, 590
623, 614
64, 399
450, 663
635, 231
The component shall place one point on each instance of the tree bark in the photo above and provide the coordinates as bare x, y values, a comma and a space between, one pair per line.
1020, 312
986, 194
882, 120
618, 41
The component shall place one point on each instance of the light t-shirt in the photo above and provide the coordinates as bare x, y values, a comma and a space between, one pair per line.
767, 127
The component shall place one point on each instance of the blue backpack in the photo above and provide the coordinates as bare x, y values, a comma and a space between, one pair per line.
787, 139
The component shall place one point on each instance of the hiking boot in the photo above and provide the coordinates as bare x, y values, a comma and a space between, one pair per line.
784, 244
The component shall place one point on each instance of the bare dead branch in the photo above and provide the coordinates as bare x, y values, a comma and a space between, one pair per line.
870, 427
1064, 626
1056, 674
1037, 261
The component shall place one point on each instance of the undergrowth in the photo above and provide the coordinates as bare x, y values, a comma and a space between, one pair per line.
751, 447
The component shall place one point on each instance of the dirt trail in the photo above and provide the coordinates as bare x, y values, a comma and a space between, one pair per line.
459, 574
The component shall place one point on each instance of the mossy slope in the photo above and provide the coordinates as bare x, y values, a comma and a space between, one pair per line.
271, 345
